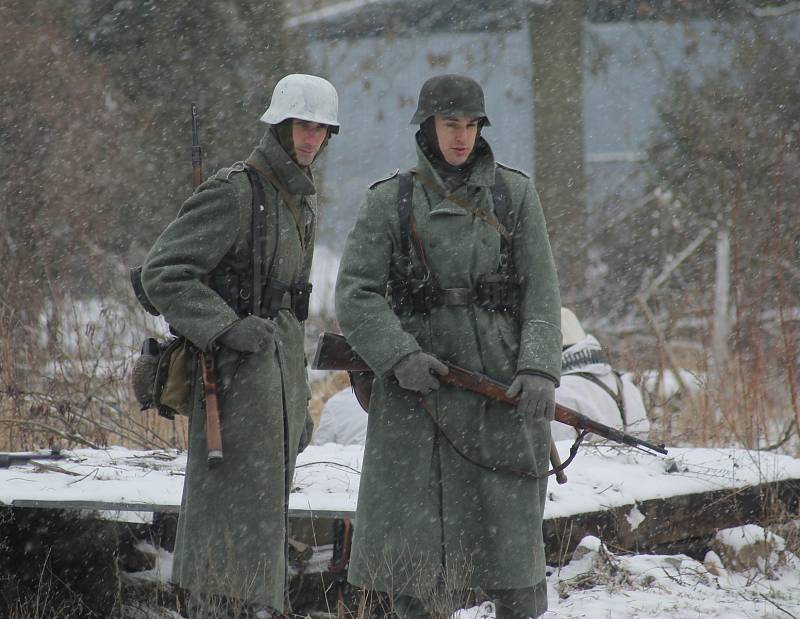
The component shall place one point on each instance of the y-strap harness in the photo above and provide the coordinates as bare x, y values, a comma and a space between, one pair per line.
415, 293
251, 293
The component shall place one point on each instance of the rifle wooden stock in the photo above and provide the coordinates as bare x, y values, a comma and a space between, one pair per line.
334, 353
211, 399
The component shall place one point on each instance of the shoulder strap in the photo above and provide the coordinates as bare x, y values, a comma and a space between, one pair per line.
405, 193
258, 225
501, 197
291, 203
617, 397
621, 400
408, 224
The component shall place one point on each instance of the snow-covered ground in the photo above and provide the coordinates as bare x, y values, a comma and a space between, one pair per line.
597, 582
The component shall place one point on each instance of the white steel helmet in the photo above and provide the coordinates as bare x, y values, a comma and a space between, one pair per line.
306, 97
571, 330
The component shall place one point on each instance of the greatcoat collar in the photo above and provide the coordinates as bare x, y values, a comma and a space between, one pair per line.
270, 155
481, 173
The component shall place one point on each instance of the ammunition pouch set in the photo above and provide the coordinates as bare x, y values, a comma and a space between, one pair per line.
162, 375
495, 292
275, 295
408, 293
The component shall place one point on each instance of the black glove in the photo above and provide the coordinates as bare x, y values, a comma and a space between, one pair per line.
250, 334
537, 395
413, 372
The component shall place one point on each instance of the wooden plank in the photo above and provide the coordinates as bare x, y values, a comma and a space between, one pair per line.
106, 506
118, 506
684, 523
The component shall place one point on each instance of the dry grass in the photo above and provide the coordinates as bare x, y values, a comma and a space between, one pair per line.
748, 398
322, 390
67, 384
71, 388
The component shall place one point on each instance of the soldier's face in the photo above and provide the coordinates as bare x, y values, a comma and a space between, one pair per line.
456, 137
307, 138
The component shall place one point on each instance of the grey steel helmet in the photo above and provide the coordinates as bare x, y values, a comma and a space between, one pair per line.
306, 97
450, 95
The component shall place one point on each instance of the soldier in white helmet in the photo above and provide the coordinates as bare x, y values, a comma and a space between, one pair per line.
591, 386
230, 273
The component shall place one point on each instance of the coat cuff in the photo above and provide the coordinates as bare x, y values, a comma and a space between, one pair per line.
540, 349
382, 359
538, 373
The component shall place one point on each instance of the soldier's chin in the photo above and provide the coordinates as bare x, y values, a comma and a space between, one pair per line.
457, 161
304, 159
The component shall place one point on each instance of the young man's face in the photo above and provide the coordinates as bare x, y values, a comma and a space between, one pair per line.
307, 138
456, 137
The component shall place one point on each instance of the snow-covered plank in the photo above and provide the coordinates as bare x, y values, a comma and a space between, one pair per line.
601, 479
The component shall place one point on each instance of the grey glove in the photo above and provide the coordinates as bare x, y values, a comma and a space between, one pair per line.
413, 372
537, 395
250, 334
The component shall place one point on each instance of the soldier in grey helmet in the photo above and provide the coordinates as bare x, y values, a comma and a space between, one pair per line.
230, 273
451, 262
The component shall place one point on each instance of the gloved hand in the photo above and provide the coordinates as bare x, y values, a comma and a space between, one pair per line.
250, 334
413, 372
537, 395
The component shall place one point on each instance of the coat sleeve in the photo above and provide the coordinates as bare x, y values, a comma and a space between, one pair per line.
367, 321
540, 306
207, 226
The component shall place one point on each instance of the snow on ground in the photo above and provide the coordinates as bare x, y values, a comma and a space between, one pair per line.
596, 583
600, 584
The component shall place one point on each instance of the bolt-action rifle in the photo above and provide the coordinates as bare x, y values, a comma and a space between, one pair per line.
213, 430
9, 458
334, 353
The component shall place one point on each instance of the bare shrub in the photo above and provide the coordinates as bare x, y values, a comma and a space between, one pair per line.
68, 384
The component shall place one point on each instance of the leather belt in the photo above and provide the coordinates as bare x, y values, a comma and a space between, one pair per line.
455, 296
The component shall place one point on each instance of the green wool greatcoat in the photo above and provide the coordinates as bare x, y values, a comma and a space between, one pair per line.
232, 525
421, 506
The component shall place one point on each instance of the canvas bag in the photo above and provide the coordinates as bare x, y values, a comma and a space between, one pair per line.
162, 374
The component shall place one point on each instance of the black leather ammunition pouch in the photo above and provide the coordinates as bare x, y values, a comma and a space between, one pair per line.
301, 295
498, 292
412, 296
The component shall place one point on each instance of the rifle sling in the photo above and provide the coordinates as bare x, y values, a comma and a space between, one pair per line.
573, 451
258, 225
617, 397
463, 203
290, 201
